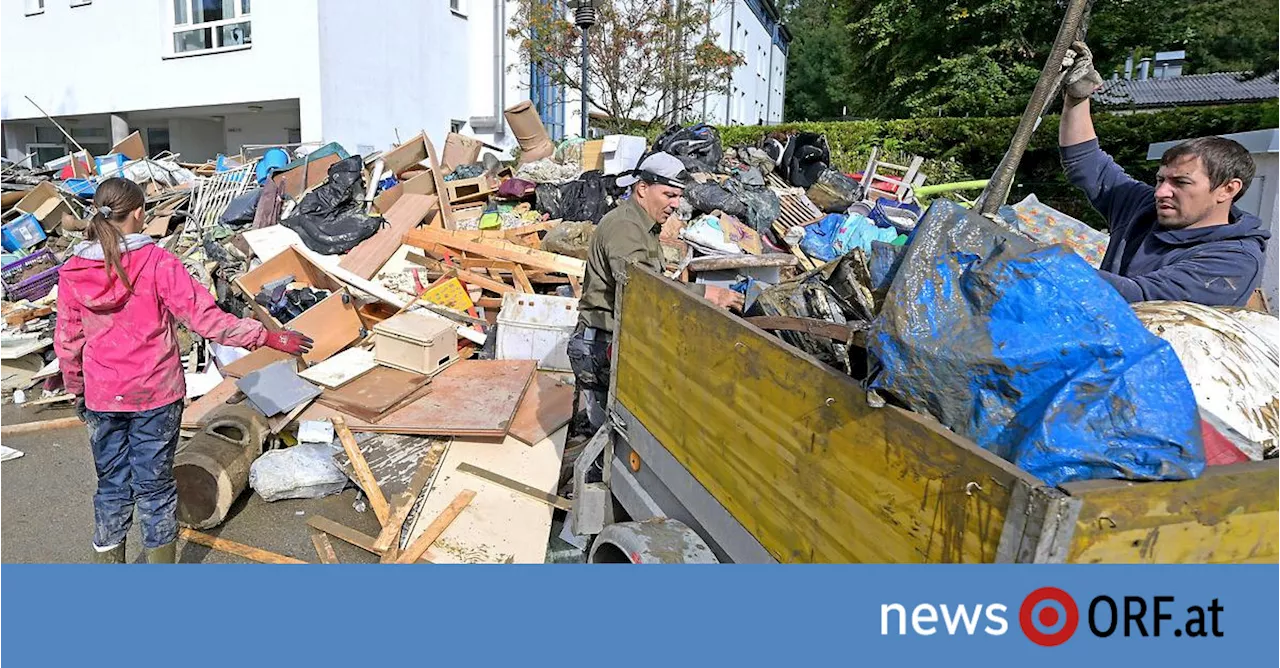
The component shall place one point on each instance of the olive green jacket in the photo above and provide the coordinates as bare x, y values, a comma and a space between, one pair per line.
626, 234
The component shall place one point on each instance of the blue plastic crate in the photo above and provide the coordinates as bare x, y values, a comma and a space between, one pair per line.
22, 233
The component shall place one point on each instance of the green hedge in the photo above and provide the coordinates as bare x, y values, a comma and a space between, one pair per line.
958, 149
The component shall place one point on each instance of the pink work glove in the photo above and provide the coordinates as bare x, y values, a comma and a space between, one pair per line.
289, 341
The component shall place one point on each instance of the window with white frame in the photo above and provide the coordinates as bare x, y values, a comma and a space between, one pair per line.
203, 26
34, 7
458, 7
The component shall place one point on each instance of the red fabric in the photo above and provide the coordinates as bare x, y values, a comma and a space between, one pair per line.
1217, 449
120, 350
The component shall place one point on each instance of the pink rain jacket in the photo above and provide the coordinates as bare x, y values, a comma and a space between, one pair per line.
120, 350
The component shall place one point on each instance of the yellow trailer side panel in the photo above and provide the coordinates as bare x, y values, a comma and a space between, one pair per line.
1227, 515
791, 448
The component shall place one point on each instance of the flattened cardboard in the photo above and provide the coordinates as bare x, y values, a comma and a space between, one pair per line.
131, 147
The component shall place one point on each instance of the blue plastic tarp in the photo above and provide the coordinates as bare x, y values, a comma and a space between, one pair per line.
1030, 354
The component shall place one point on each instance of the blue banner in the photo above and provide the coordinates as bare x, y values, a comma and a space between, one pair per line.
1092, 616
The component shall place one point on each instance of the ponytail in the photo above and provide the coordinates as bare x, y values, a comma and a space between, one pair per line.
114, 200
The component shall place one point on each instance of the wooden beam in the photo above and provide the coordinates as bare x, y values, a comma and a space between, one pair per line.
814, 326
516, 486
345, 534
238, 549
446, 211
388, 542
323, 547
363, 475
484, 282
498, 250
716, 263
522, 281
437, 527
577, 287
44, 425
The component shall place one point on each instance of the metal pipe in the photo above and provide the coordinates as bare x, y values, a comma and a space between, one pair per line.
585, 57
1050, 78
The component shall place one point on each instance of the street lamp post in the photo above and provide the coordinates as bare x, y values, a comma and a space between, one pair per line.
585, 17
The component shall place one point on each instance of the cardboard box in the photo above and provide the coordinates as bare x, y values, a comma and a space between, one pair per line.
333, 323
419, 342
459, 150
46, 204
593, 155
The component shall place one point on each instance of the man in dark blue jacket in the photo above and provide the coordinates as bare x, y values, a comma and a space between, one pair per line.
1180, 240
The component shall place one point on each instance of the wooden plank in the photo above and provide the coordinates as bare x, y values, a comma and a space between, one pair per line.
1230, 514
363, 475
498, 527
815, 326
576, 285
522, 281
10, 430
481, 281
717, 263
302, 178
369, 255
815, 474
517, 486
345, 534
130, 147
547, 406
238, 549
446, 208
437, 527
499, 250
470, 398
324, 549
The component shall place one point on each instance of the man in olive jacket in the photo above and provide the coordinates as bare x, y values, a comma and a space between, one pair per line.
627, 234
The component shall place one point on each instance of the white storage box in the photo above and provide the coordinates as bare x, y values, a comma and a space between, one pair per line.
423, 343
537, 327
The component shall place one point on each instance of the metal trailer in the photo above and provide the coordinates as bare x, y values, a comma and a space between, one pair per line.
727, 444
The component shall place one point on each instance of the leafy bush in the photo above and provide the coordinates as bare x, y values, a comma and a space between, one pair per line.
957, 149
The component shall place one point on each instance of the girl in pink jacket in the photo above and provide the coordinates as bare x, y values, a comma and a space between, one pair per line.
118, 297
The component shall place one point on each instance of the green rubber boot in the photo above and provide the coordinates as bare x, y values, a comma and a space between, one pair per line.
113, 556
165, 554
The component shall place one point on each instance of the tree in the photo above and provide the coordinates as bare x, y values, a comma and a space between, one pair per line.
651, 61
904, 58
819, 57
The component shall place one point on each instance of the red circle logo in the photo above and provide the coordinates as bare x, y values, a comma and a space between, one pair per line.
1048, 616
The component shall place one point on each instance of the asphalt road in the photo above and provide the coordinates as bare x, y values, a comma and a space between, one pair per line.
46, 507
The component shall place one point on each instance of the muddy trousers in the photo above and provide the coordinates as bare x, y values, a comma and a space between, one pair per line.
133, 456
589, 357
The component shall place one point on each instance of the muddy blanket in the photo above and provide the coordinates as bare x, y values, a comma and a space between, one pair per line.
1033, 356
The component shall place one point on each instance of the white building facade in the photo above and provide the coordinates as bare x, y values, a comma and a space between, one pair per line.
208, 77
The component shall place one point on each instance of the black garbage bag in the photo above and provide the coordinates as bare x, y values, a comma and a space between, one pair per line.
708, 197
761, 204
833, 192
330, 219
241, 210
805, 158
697, 146
585, 198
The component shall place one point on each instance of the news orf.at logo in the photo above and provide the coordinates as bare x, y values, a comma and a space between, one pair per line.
1049, 617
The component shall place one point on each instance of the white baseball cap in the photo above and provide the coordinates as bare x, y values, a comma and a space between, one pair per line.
661, 168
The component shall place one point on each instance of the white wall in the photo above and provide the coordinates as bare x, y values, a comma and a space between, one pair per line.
16, 138
55, 58
757, 89
387, 65
196, 139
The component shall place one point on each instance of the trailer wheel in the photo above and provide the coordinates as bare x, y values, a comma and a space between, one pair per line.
660, 540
